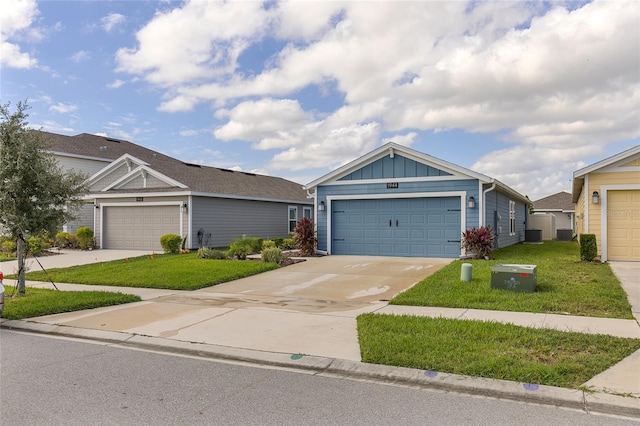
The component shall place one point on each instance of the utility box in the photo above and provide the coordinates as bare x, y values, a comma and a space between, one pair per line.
520, 278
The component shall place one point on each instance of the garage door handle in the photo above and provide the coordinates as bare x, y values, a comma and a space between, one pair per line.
389, 222
396, 223
454, 241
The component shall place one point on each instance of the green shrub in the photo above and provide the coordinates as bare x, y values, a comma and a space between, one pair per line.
278, 241
35, 245
243, 246
208, 253
171, 243
305, 236
268, 244
588, 247
84, 236
288, 244
63, 240
478, 241
272, 255
8, 247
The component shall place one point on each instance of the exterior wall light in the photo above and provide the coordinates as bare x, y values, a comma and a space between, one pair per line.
471, 203
595, 197
321, 206
184, 208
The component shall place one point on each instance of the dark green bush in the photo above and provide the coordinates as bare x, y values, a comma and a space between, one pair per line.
305, 236
208, 253
272, 255
588, 247
84, 236
171, 243
288, 244
278, 241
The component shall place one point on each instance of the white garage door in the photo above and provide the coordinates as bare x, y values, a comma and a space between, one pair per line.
623, 225
138, 227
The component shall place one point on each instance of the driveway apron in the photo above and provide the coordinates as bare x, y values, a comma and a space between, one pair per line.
306, 308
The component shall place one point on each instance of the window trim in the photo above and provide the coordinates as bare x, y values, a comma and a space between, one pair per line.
294, 220
512, 218
306, 209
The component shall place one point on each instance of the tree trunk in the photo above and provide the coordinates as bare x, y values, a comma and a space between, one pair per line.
21, 269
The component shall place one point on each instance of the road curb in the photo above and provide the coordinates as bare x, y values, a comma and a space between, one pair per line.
596, 402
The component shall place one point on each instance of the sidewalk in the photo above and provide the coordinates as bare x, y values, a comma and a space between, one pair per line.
254, 327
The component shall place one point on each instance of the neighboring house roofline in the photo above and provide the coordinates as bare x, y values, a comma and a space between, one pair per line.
178, 193
392, 147
84, 157
578, 175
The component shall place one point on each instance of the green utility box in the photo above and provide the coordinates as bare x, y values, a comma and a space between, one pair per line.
522, 278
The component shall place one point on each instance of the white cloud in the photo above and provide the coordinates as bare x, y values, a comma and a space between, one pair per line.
112, 20
61, 108
80, 56
15, 23
115, 84
556, 82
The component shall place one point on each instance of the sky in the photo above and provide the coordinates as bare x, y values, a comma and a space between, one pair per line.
524, 92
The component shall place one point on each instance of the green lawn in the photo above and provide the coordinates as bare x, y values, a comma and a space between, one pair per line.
565, 285
489, 349
165, 271
37, 302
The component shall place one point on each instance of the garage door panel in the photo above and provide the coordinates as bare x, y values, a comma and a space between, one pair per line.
623, 225
137, 227
404, 227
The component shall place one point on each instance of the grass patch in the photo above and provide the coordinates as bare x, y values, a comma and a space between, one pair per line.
565, 285
38, 302
489, 349
165, 271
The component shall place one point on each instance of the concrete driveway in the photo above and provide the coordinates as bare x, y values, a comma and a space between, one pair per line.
306, 308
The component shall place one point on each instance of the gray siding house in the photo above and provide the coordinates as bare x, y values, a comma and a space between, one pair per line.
395, 201
137, 195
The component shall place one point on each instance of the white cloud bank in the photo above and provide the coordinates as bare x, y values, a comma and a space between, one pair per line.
16, 19
559, 83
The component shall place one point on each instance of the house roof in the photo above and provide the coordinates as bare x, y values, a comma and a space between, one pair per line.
392, 147
578, 175
190, 177
561, 201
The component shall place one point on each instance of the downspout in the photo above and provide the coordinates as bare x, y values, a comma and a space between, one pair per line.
484, 201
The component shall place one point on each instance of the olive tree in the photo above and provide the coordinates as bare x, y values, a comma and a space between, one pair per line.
36, 195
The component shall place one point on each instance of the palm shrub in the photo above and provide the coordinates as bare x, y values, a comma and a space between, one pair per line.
272, 255
588, 247
478, 241
305, 236
171, 243
208, 253
84, 235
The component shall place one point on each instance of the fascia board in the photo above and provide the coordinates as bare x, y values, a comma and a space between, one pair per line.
620, 157
113, 166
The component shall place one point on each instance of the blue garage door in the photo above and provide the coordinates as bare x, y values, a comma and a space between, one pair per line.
419, 227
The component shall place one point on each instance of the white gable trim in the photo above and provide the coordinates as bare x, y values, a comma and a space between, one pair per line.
615, 160
126, 159
143, 170
393, 148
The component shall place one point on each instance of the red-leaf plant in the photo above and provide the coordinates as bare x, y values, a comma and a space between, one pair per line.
305, 236
478, 241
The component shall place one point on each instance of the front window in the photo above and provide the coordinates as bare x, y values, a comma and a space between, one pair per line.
306, 212
293, 217
512, 217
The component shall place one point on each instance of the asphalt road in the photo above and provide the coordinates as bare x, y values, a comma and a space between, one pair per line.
47, 380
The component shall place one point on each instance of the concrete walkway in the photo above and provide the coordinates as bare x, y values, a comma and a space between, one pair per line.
308, 308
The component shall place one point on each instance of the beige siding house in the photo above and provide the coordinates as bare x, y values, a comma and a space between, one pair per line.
607, 203
137, 195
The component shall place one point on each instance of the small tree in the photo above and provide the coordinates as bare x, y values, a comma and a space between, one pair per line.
36, 195
304, 235
588, 247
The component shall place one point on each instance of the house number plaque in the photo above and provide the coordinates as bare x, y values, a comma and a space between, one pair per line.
392, 185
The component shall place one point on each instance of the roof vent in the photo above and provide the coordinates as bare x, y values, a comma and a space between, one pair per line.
113, 140
193, 165
249, 174
226, 170
103, 148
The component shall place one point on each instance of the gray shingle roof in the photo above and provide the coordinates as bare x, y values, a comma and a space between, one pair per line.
197, 178
560, 201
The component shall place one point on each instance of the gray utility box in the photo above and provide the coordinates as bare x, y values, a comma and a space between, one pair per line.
522, 278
